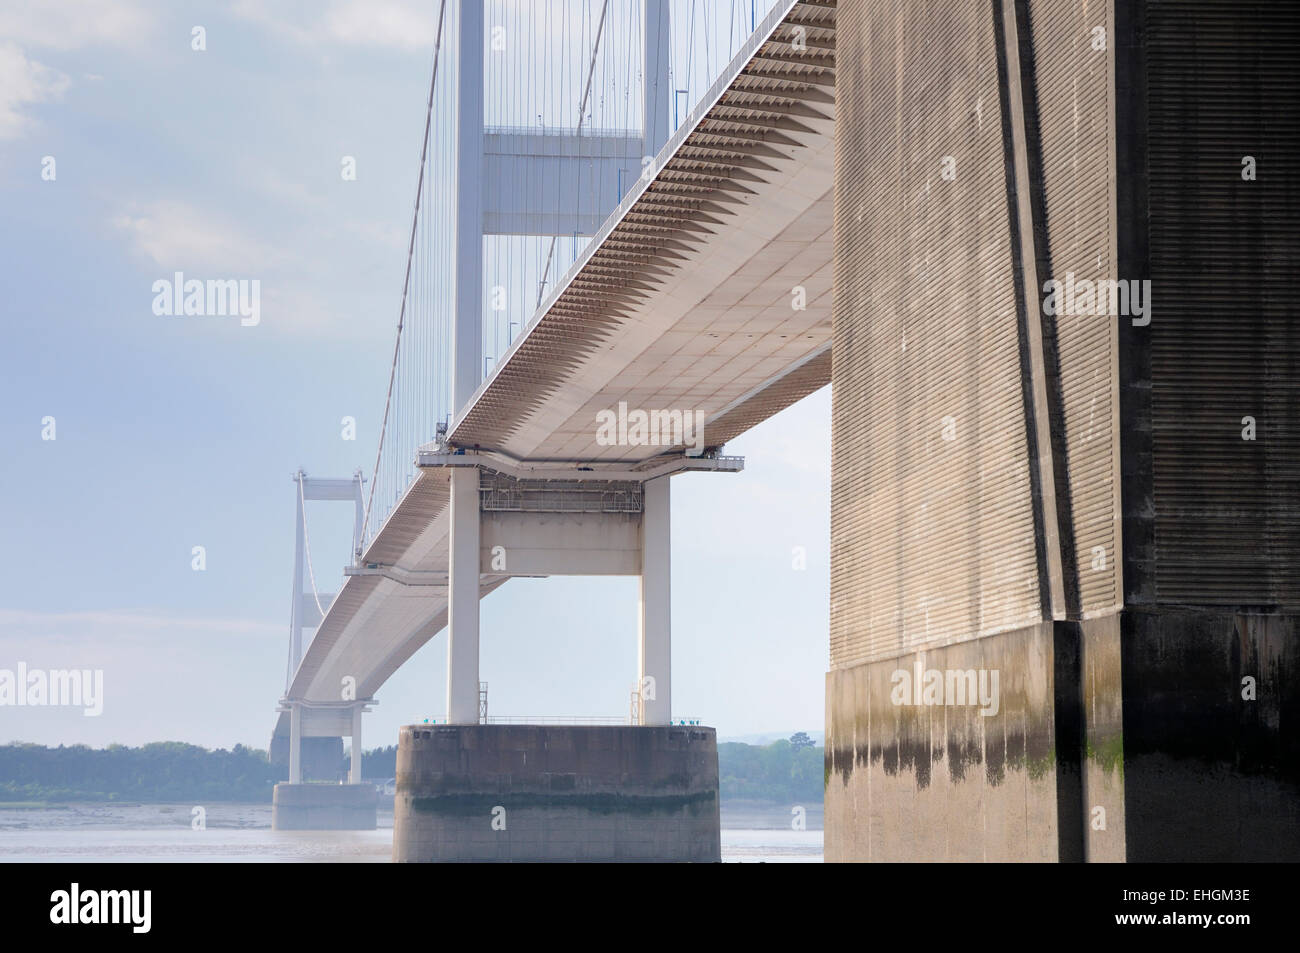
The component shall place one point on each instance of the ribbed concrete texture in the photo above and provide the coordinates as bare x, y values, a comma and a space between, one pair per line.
556, 793
1066, 369
324, 807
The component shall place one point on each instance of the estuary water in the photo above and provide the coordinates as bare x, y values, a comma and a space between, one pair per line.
752, 832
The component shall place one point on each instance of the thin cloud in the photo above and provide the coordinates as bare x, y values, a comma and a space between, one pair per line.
298, 291
23, 83
74, 24
176, 235
405, 25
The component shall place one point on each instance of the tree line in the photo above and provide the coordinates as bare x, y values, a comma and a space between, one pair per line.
174, 771
162, 771
786, 770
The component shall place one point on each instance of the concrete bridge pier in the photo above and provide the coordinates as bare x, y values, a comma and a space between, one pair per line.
1065, 598
314, 798
548, 793
471, 791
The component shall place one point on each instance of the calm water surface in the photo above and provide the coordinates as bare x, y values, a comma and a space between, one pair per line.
90, 833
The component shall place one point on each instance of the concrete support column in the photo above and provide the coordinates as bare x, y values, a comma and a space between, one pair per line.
463, 594
295, 743
656, 606
354, 776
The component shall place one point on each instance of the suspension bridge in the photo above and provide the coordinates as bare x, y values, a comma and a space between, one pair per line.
624, 209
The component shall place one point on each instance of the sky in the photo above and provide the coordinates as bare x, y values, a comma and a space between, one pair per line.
126, 155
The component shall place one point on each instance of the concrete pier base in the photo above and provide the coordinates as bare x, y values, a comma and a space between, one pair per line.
324, 807
556, 793
1151, 735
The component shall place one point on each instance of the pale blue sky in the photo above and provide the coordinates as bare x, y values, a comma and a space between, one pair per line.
176, 432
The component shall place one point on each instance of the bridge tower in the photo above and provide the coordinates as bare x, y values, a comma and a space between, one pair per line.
315, 743
308, 607
491, 162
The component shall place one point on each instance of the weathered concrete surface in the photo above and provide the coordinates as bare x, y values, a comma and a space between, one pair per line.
1209, 774
324, 807
556, 793
1103, 742
943, 782
1151, 735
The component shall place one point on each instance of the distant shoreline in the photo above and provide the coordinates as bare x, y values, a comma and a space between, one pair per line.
783, 772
